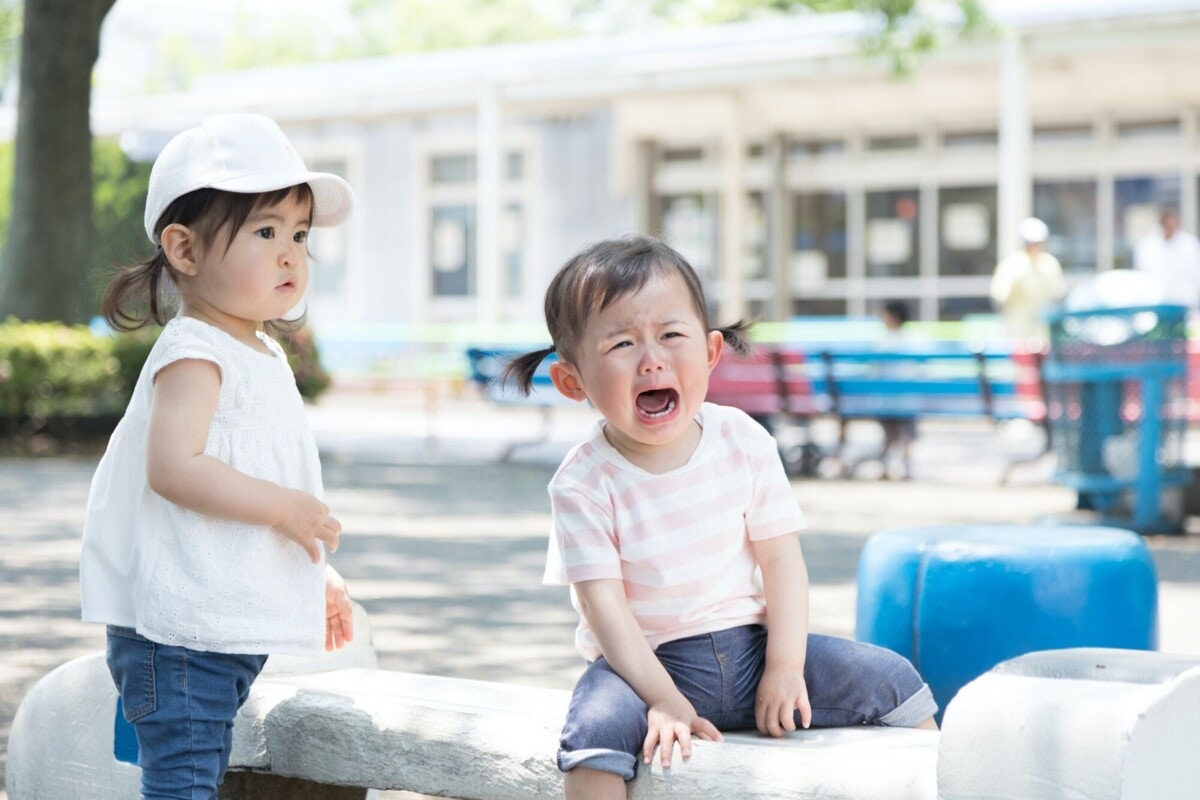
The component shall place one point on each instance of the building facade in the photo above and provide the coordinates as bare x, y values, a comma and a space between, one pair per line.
798, 176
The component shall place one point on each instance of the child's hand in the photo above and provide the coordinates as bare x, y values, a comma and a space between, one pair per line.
672, 721
305, 520
780, 692
339, 615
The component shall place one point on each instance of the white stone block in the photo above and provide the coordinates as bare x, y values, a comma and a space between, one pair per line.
60, 746
1080, 724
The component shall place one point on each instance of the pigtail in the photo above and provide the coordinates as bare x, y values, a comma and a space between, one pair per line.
521, 369
737, 336
135, 296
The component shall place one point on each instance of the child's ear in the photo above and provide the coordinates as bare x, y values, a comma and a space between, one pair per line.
179, 246
566, 380
716, 346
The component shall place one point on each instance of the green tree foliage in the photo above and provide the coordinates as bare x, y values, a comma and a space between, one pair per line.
904, 30
119, 200
11, 14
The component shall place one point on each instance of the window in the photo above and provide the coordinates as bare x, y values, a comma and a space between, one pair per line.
955, 308
816, 148
891, 144
967, 233
960, 140
1062, 134
689, 224
452, 169
328, 247
512, 233
1153, 130
1069, 210
892, 234
818, 240
452, 250
818, 307
452, 225
1136, 207
676, 154
755, 238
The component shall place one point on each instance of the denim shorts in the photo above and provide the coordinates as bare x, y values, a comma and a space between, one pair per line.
181, 704
849, 683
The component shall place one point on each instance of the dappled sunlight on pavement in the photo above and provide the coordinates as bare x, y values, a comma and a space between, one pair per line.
445, 547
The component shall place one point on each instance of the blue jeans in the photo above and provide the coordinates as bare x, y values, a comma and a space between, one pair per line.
181, 704
849, 683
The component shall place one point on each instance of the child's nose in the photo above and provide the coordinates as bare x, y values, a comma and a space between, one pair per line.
291, 252
652, 359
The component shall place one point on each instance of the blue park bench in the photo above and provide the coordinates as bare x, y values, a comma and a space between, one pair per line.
485, 367
790, 385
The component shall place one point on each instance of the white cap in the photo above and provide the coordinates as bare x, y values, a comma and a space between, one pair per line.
1033, 231
245, 153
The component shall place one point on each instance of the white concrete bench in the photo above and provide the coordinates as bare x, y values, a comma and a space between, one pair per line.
1086, 724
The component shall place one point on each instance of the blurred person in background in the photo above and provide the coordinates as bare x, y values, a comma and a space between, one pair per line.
898, 432
1172, 256
1028, 283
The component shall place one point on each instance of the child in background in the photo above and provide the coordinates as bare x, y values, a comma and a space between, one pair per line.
663, 520
205, 535
898, 432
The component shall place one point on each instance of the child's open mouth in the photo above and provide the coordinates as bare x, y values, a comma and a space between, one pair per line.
657, 403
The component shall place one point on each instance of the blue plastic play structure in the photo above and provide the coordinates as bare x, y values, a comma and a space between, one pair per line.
957, 600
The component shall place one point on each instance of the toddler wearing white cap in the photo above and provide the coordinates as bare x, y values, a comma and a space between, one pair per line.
205, 534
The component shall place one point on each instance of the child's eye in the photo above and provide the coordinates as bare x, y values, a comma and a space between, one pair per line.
300, 237
266, 233
672, 334
621, 344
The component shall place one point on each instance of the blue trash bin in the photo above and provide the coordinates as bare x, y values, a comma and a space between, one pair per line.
957, 600
1116, 408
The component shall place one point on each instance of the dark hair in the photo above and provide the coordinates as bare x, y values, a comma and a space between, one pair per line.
596, 277
897, 310
136, 296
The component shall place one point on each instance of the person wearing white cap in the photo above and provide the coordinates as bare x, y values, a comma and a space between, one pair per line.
205, 535
1028, 283
1172, 256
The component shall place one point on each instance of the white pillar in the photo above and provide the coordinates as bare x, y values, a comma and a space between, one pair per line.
779, 228
1106, 199
1015, 178
1188, 200
733, 216
856, 251
489, 162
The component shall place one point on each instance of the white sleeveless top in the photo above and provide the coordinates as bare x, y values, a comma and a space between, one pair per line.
181, 578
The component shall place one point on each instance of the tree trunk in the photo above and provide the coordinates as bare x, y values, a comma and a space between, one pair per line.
44, 268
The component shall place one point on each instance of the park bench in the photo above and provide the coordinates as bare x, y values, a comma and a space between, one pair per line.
1094, 723
486, 364
788, 385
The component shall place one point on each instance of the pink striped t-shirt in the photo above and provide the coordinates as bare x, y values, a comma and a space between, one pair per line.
680, 541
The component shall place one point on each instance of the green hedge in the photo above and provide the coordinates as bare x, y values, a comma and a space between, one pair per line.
64, 380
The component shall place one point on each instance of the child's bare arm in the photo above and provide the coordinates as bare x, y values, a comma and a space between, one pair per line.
670, 716
782, 690
185, 399
339, 614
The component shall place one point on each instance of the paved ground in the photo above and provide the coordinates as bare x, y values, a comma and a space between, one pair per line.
444, 546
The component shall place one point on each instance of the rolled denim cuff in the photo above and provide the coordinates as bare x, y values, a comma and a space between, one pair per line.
614, 761
913, 711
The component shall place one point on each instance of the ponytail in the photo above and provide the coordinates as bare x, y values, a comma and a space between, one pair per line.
521, 369
135, 296
737, 336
